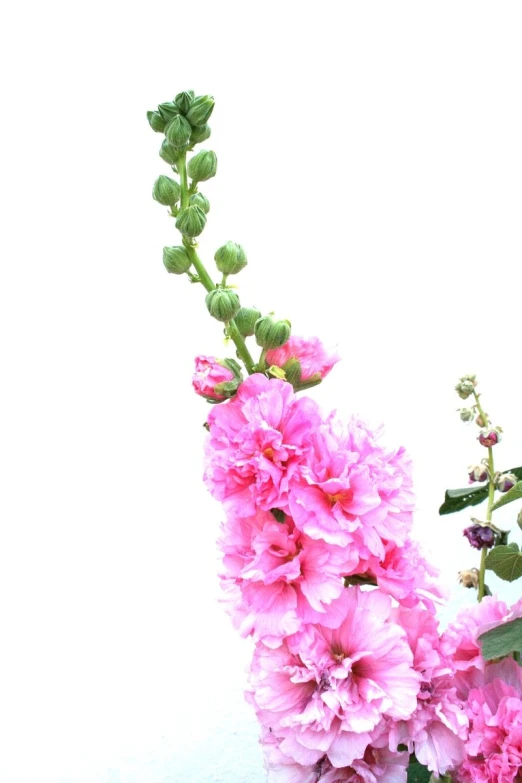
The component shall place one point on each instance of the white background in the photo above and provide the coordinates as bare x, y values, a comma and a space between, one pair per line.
370, 162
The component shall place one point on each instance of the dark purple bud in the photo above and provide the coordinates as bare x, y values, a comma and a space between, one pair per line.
479, 536
490, 437
506, 481
477, 473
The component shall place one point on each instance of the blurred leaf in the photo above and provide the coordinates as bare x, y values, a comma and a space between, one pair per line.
515, 493
502, 640
505, 562
417, 772
457, 499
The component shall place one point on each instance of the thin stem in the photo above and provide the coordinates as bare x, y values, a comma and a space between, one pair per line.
491, 500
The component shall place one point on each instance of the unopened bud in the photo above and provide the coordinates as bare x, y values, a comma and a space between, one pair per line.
200, 110
506, 481
480, 420
466, 414
270, 333
200, 201
178, 131
222, 303
202, 166
490, 436
156, 121
200, 134
176, 260
469, 578
245, 320
169, 153
465, 388
191, 221
183, 100
479, 536
519, 519
166, 191
168, 110
293, 371
477, 473
230, 258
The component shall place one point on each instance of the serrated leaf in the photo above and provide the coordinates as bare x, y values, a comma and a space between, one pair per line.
457, 499
417, 772
502, 640
505, 562
515, 493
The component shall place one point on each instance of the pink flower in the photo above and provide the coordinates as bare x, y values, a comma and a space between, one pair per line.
326, 691
255, 440
315, 361
351, 491
279, 579
209, 374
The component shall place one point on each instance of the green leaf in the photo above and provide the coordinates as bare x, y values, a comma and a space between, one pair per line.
515, 493
502, 640
417, 772
505, 562
457, 499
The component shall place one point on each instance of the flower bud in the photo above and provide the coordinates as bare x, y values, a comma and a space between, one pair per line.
169, 153
466, 414
245, 320
199, 200
156, 121
200, 110
479, 536
222, 303
191, 221
469, 578
490, 436
183, 100
465, 387
270, 333
178, 131
519, 519
166, 191
176, 260
506, 481
168, 110
230, 258
200, 134
477, 473
202, 166
480, 421
216, 379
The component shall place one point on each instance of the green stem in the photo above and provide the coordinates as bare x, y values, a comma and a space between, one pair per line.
491, 499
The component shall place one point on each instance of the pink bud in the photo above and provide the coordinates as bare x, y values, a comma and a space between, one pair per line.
506, 481
477, 473
208, 375
489, 437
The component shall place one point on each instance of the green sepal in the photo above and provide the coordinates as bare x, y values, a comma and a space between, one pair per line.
231, 365
183, 100
502, 640
200, 134
178, 131
228, 388
156, 121
293, 371
168, 110
199, 200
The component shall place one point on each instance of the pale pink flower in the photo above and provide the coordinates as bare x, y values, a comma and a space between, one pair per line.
255, 439
209, 373
351, 491
326, 691
315, 361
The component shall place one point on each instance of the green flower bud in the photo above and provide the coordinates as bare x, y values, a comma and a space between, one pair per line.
156, 121
200, 134
293, 370
169, 153
222, 303
183, 100
191, 221
230, 258
245, 320
166, 191
202, 166
178, 131
176, 260
201, 201
519, 519
200, 110
168, 110
270, 333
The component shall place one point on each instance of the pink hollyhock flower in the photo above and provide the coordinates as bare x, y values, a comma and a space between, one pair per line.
209, 376
326, 691
315, 361
494, 747
255, 439
351, 491
278, 578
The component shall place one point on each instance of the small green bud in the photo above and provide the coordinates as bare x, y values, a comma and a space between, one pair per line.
245, 320
201, 201
222, 303
230, 258
202, 166
166, 191
200, 110
169, 153
168, 110
270, 333
293, 370
156, 121
176, 260
178, 131
191, 221
519, 519
183, 100
200, 134
467, 414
